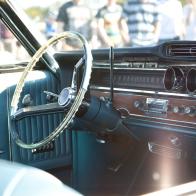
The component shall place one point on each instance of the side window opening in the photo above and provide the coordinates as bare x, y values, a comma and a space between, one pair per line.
11, 51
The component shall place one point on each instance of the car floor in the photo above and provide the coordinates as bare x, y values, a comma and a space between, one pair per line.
158, 172
128, 168
143, 172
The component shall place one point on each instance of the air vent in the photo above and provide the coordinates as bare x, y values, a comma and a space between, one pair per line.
181, 50
166, 151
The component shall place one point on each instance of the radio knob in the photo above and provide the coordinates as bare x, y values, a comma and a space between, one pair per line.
189, 110
137, 104
178, 110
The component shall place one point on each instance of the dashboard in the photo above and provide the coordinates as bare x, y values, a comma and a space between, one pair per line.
163, 92
155, 92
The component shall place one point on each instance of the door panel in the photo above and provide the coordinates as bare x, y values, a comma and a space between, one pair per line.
34, 128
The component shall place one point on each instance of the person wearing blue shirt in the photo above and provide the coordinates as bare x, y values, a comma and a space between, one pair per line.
143, 21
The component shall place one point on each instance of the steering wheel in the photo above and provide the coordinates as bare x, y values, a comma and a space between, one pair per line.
68, 96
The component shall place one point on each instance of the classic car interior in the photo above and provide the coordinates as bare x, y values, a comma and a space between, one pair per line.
116, 121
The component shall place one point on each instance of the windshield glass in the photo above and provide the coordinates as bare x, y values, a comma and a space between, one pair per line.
106, 23
117, 23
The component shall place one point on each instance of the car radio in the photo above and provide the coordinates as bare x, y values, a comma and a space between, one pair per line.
159, 106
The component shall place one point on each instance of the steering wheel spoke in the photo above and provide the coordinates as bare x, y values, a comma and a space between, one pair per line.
39, 110
75, 76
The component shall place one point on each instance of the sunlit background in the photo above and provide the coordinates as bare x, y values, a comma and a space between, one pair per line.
42, 12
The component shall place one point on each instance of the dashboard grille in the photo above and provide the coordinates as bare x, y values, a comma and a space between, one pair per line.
181, 50
130, 78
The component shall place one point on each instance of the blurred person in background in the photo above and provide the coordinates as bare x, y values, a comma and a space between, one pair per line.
171, 20
112, 27
190, 20
50, 26
8, 41
75, 16
143, 21
10, 48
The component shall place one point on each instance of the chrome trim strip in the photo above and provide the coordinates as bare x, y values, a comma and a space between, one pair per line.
129, 64
141, 91
129, 68
164, 119
139, 69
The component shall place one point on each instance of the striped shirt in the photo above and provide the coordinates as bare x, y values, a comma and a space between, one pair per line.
142, 17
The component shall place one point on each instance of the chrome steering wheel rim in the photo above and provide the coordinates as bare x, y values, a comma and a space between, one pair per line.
77, 101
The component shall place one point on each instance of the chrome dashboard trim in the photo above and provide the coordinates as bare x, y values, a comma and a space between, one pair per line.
155, 118
130, 68
129, 64
107, 89
163, 119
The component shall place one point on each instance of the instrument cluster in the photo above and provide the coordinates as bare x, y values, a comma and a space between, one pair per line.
179, 79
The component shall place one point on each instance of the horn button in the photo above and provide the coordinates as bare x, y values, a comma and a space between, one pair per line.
66, 96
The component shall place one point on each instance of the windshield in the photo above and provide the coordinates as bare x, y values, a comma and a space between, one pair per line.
106, 23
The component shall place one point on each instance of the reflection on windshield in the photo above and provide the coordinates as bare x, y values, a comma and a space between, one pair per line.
117, 23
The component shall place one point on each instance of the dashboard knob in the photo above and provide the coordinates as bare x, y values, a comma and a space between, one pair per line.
137, 104
189, 110
178, 110
175, 141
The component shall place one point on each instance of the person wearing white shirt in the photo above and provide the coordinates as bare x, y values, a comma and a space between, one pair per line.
171, 20
190, 20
